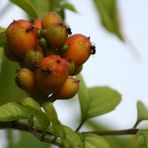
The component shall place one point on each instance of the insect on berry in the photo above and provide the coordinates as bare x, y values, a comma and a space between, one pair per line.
93, 49
79, 49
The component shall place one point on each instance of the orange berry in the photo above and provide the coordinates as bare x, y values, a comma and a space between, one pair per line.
50, 18
51, 74
10, 54
21, 37
79, 49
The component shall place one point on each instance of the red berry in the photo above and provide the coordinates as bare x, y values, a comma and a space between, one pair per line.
51, 74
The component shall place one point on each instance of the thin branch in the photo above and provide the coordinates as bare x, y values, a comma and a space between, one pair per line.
24, 127
114, 132
38, 133
136, 124
80, 125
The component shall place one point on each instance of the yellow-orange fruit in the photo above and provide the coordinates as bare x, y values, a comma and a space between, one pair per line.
68, 90
51, 74
25, 79
50, 18
79, 49
21, 37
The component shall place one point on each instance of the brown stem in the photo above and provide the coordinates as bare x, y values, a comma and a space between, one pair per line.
132, 131
38, 133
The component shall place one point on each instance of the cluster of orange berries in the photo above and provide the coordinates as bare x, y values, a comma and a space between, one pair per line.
48, 54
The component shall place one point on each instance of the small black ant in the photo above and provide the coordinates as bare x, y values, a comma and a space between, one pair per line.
93, 49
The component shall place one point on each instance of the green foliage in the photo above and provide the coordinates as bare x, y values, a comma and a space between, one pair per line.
68, 6
2, 37
71, 136
35, 109
142, 112
13, 111
27, 6
41, 7
94, 141
96, 101
26, 140
102, 100
8, 89
52, 115
109, 15
83, 98
141, 140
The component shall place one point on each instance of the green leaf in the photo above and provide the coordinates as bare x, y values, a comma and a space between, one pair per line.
71, 136
102, 100
8, 89
141, 140
27, 6
96, 100
142, 112
2, 29
109, 15
26, 140
2, 38
68, 6
41, 7
94, 141
52, 116
35, 109
30, 102
13, 111
83, 98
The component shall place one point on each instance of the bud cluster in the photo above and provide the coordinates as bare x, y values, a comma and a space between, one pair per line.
49, 55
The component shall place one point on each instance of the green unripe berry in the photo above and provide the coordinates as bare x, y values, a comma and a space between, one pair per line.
33, 58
